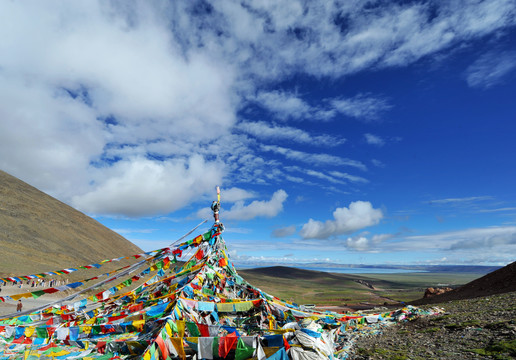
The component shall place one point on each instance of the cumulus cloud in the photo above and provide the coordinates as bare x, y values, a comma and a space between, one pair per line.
359, 215
143, 187
235, 194
491, 69
359, 243
363, 243
257, 208
102, 94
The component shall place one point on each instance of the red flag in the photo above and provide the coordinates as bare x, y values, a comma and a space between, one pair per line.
204, 330
50, 290
226, 343
162, 347
285, 342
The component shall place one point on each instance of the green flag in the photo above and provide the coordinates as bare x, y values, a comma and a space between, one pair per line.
215, 347
41, 332
193, 329
243, 351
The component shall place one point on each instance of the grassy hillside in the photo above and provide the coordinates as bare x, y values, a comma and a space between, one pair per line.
39, 233
322, 288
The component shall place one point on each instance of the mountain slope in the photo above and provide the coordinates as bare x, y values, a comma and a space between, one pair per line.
40, 233
497, 282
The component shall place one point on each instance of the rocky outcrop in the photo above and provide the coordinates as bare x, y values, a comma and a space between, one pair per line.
429, 292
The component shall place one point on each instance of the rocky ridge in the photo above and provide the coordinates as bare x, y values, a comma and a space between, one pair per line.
478, 328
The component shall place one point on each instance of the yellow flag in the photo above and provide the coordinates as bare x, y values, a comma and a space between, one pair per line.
180, 328
168, 329
19, 296
29, 331
178, 345
139, 324
147, 355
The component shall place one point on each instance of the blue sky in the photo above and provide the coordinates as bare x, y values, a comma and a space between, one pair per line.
356, 132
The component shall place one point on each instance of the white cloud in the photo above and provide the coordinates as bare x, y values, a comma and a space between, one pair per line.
374, 140
235, 230
348, 177
266, 131
359, 243
236, 194
143, 187
334, 39
283, 104
361, 107
491, 69
359, 215
82, 87
460, 200
378, 163
498, 210
93, 92
323, 176
490, 238
286, 106
257, 208
362, 243
284, 232
313, 158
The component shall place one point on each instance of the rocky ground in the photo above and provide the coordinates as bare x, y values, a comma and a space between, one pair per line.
478, 328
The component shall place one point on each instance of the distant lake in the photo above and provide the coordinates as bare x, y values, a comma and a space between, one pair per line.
363, 270
343, 270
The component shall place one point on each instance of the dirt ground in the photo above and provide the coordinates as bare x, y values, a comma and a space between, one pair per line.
9, 307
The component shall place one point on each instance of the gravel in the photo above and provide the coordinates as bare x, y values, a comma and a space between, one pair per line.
478, 328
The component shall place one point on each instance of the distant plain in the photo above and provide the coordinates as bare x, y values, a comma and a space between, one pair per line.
342, 290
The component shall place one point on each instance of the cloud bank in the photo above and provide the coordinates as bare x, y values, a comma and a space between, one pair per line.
127, 101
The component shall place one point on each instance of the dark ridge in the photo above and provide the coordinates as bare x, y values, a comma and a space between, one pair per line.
285, 272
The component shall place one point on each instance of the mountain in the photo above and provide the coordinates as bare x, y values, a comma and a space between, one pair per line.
39, 233
497, 282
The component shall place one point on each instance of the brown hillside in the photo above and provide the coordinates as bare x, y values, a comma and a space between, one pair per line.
39, 233
497, 282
